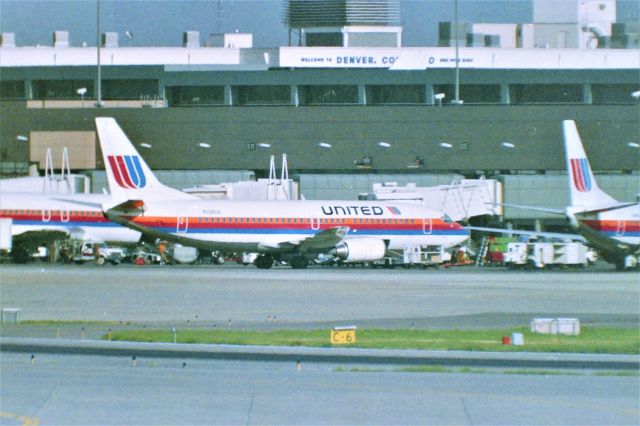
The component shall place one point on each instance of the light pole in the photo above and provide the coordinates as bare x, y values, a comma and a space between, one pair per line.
456, 99
99, 87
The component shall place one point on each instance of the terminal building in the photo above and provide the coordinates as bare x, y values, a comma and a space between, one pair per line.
346, 100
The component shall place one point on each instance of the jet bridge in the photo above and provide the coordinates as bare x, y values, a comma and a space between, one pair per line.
460, 200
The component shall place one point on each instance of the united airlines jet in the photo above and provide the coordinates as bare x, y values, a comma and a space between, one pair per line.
609, 226
355, 231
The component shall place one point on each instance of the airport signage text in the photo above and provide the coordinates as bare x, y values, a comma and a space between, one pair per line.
337, 58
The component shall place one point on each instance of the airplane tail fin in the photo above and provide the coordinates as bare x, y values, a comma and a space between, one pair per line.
583, 190
129, 176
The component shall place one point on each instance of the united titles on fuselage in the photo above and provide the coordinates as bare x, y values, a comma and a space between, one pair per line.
352, 210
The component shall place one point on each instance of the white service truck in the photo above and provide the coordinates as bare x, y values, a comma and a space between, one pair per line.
79, 252
542, 255
414, 256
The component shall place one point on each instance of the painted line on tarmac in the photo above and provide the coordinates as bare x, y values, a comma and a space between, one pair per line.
323, 355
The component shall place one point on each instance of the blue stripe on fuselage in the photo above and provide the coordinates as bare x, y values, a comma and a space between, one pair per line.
290, 231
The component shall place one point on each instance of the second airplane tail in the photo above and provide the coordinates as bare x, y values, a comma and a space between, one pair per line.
583, 189
129, 176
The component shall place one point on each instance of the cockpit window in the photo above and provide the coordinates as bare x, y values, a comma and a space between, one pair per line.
447, 219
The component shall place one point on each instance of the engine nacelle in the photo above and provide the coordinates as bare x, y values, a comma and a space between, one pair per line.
361, 250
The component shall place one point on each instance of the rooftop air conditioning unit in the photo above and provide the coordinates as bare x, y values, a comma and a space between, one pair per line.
61, 39
191, 39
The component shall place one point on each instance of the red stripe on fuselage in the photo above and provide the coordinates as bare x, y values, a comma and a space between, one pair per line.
249, 223
613, 225
54, 215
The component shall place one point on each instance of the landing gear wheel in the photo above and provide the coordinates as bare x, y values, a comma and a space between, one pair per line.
299, 262
20, 255
264, 261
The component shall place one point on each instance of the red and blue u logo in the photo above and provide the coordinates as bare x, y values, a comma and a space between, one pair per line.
127, 171
581, 175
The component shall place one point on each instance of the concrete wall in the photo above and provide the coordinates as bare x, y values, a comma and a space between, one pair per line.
475, 133
552, 191
179, 179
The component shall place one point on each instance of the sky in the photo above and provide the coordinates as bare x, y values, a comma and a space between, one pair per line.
162, 22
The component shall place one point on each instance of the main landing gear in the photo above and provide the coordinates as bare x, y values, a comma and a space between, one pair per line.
264, 261
299, 262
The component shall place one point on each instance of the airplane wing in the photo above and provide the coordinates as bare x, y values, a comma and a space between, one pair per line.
560, 235
593, 208
599, 208
532, 208
323, 240
127, 208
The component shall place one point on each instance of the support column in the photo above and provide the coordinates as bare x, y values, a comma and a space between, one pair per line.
362, 94
429, 94
505, 94
228, 95
587, 95
28, 89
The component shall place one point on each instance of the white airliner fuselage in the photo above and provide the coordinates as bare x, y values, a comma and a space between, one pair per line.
77, 215
270, 225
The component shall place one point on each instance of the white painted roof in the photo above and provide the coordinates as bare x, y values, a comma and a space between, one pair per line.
402, 58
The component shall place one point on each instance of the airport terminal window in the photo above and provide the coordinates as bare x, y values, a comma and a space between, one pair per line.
195, 95
264, 95
448, 90
61, 89
480, 93
129, 89
13, 89
328, 95
470, 93
396, 94
546, 93
324, 39
613, 93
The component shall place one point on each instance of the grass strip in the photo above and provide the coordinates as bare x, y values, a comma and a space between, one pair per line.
591, 340
50, 323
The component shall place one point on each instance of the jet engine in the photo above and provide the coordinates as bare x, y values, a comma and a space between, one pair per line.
360, 249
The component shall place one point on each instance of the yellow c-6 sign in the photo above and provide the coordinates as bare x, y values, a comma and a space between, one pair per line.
343, 335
